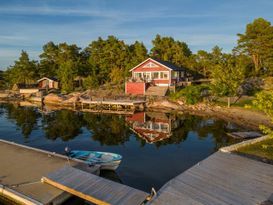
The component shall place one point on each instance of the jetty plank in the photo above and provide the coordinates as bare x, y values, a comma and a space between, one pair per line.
222, 178
93, 188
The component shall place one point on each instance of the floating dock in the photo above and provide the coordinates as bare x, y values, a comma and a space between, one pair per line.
222, 179
21, 170
93, 188
33, 176
244, 135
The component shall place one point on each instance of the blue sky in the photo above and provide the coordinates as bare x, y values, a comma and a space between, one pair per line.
202, 24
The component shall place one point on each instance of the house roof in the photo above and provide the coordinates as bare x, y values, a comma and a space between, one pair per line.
166, 64
47, 78
170, 65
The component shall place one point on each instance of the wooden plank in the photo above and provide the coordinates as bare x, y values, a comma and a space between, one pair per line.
244, 135
93, 188
74, 192
220, 179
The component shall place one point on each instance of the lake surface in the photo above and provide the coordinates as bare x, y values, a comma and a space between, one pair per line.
155, 146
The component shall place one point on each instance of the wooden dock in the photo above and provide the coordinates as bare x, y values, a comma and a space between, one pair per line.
221, 179
94, 188
114, 105
21, 170
244, 135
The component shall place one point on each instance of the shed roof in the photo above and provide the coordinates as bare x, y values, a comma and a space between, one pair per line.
47, 78
166, 64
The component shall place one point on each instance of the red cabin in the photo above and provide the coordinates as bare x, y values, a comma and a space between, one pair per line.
152, 72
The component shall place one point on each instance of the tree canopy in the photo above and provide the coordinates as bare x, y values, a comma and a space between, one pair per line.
23, 70
257, 42
167, 49
109, 60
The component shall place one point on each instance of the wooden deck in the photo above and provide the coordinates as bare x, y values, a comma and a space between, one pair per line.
21, 170
114, 105
93, 188
244, 135
114, 102
221, 179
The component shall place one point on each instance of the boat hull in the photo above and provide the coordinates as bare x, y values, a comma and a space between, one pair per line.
111, 162
110, 166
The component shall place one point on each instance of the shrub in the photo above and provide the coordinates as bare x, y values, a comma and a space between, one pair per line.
264, 102
192, 94
90, 82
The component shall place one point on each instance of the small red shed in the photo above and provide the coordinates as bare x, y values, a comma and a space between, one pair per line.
48, 83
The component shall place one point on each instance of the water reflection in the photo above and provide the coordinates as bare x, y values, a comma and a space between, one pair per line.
153, 127
106, 129
162, 129
62, 124
25, 118
149, 127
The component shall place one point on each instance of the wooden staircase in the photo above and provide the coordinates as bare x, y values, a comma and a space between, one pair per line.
156, 91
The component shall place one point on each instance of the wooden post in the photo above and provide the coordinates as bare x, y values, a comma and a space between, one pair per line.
228, 102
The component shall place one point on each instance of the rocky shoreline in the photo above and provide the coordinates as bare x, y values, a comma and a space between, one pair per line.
242, 116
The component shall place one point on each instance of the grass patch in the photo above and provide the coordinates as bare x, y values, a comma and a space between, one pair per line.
262, 149
244, 103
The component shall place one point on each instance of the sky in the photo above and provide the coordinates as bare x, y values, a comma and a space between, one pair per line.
202, 24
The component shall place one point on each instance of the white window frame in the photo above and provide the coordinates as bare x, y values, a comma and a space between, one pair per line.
150, 75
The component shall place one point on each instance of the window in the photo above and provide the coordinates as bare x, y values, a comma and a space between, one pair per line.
147, 76
155, 75
138, 75
164, 75
174, 74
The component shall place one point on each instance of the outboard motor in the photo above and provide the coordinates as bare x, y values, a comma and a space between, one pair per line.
67, 150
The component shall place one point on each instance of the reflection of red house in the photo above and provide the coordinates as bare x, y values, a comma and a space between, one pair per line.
151, 127
48, 83
154, 72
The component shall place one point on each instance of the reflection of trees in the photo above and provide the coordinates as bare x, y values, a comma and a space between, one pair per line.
65, 124
24, 117
112, 129
107, 129
2, 109
216, 128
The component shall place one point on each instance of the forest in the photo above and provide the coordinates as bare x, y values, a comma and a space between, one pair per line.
108, 61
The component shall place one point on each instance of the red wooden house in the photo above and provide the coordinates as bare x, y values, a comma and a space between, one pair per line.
152, 72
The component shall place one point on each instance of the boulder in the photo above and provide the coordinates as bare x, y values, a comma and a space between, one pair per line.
164, 104
54, 98
71, 100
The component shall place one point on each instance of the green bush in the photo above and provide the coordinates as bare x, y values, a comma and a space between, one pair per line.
264, 102
191, 94
90, 82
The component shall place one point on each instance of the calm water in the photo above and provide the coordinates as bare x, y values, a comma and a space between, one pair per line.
155, 146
